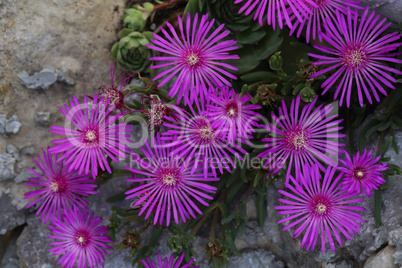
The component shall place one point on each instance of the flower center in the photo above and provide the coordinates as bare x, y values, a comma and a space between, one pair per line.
320, 205
298, 140
192, 58
82, 238
321, 208
157, 113
115, 96
354, 57
169, 176
358, 173
90, 136
206, 133
59, 185
203, 130
169, 180
232, 109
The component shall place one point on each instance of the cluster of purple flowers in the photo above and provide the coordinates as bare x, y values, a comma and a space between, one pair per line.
91, 135
173, 178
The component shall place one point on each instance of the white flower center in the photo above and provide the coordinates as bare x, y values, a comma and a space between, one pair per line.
169, 180
320, 208
354, 57
54, 186
90, 135
192, 59
80, 239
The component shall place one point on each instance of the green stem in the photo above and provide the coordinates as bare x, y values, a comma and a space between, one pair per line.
214, 222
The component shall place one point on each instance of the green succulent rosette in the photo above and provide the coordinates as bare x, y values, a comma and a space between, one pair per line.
137, 16
131, 52
243, 28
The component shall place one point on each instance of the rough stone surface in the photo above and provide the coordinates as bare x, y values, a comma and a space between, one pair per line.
43, 118
10, 258
13, 125
3, 122
62, 76
28, 150
11, 149
45, 78
33, 245
256, 258
382, 259
10, 216
395, 239
23, 176
392, 9
42, 80
7, 162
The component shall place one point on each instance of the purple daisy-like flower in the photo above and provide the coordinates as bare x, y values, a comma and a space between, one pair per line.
195, 56
302, 138
166, 185
277, 10
93, 135
168, 263
325, 9
363, 173
80, 238
194, 137
115, 92
59, 188
228, 111
319, 207
356, 51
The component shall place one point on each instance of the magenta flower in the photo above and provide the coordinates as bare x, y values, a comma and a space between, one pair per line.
325, 9
59, 188
166, 185
357, 52
81, 238
115, 92
277, 10
363, 173
92, 135
228, 111
195, 57
303, 138
194, 137
168, 263
319, 207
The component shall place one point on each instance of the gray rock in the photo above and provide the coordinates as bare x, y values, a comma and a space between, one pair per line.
395, 239
3, 122
42, 80
28, 151
10, 216
11, 149
13, 125
382, 259
392, 9
343, 264
23, 176
10, 258
45, 78
7, 162
62, 76
43, 118
33, 245
259, 258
